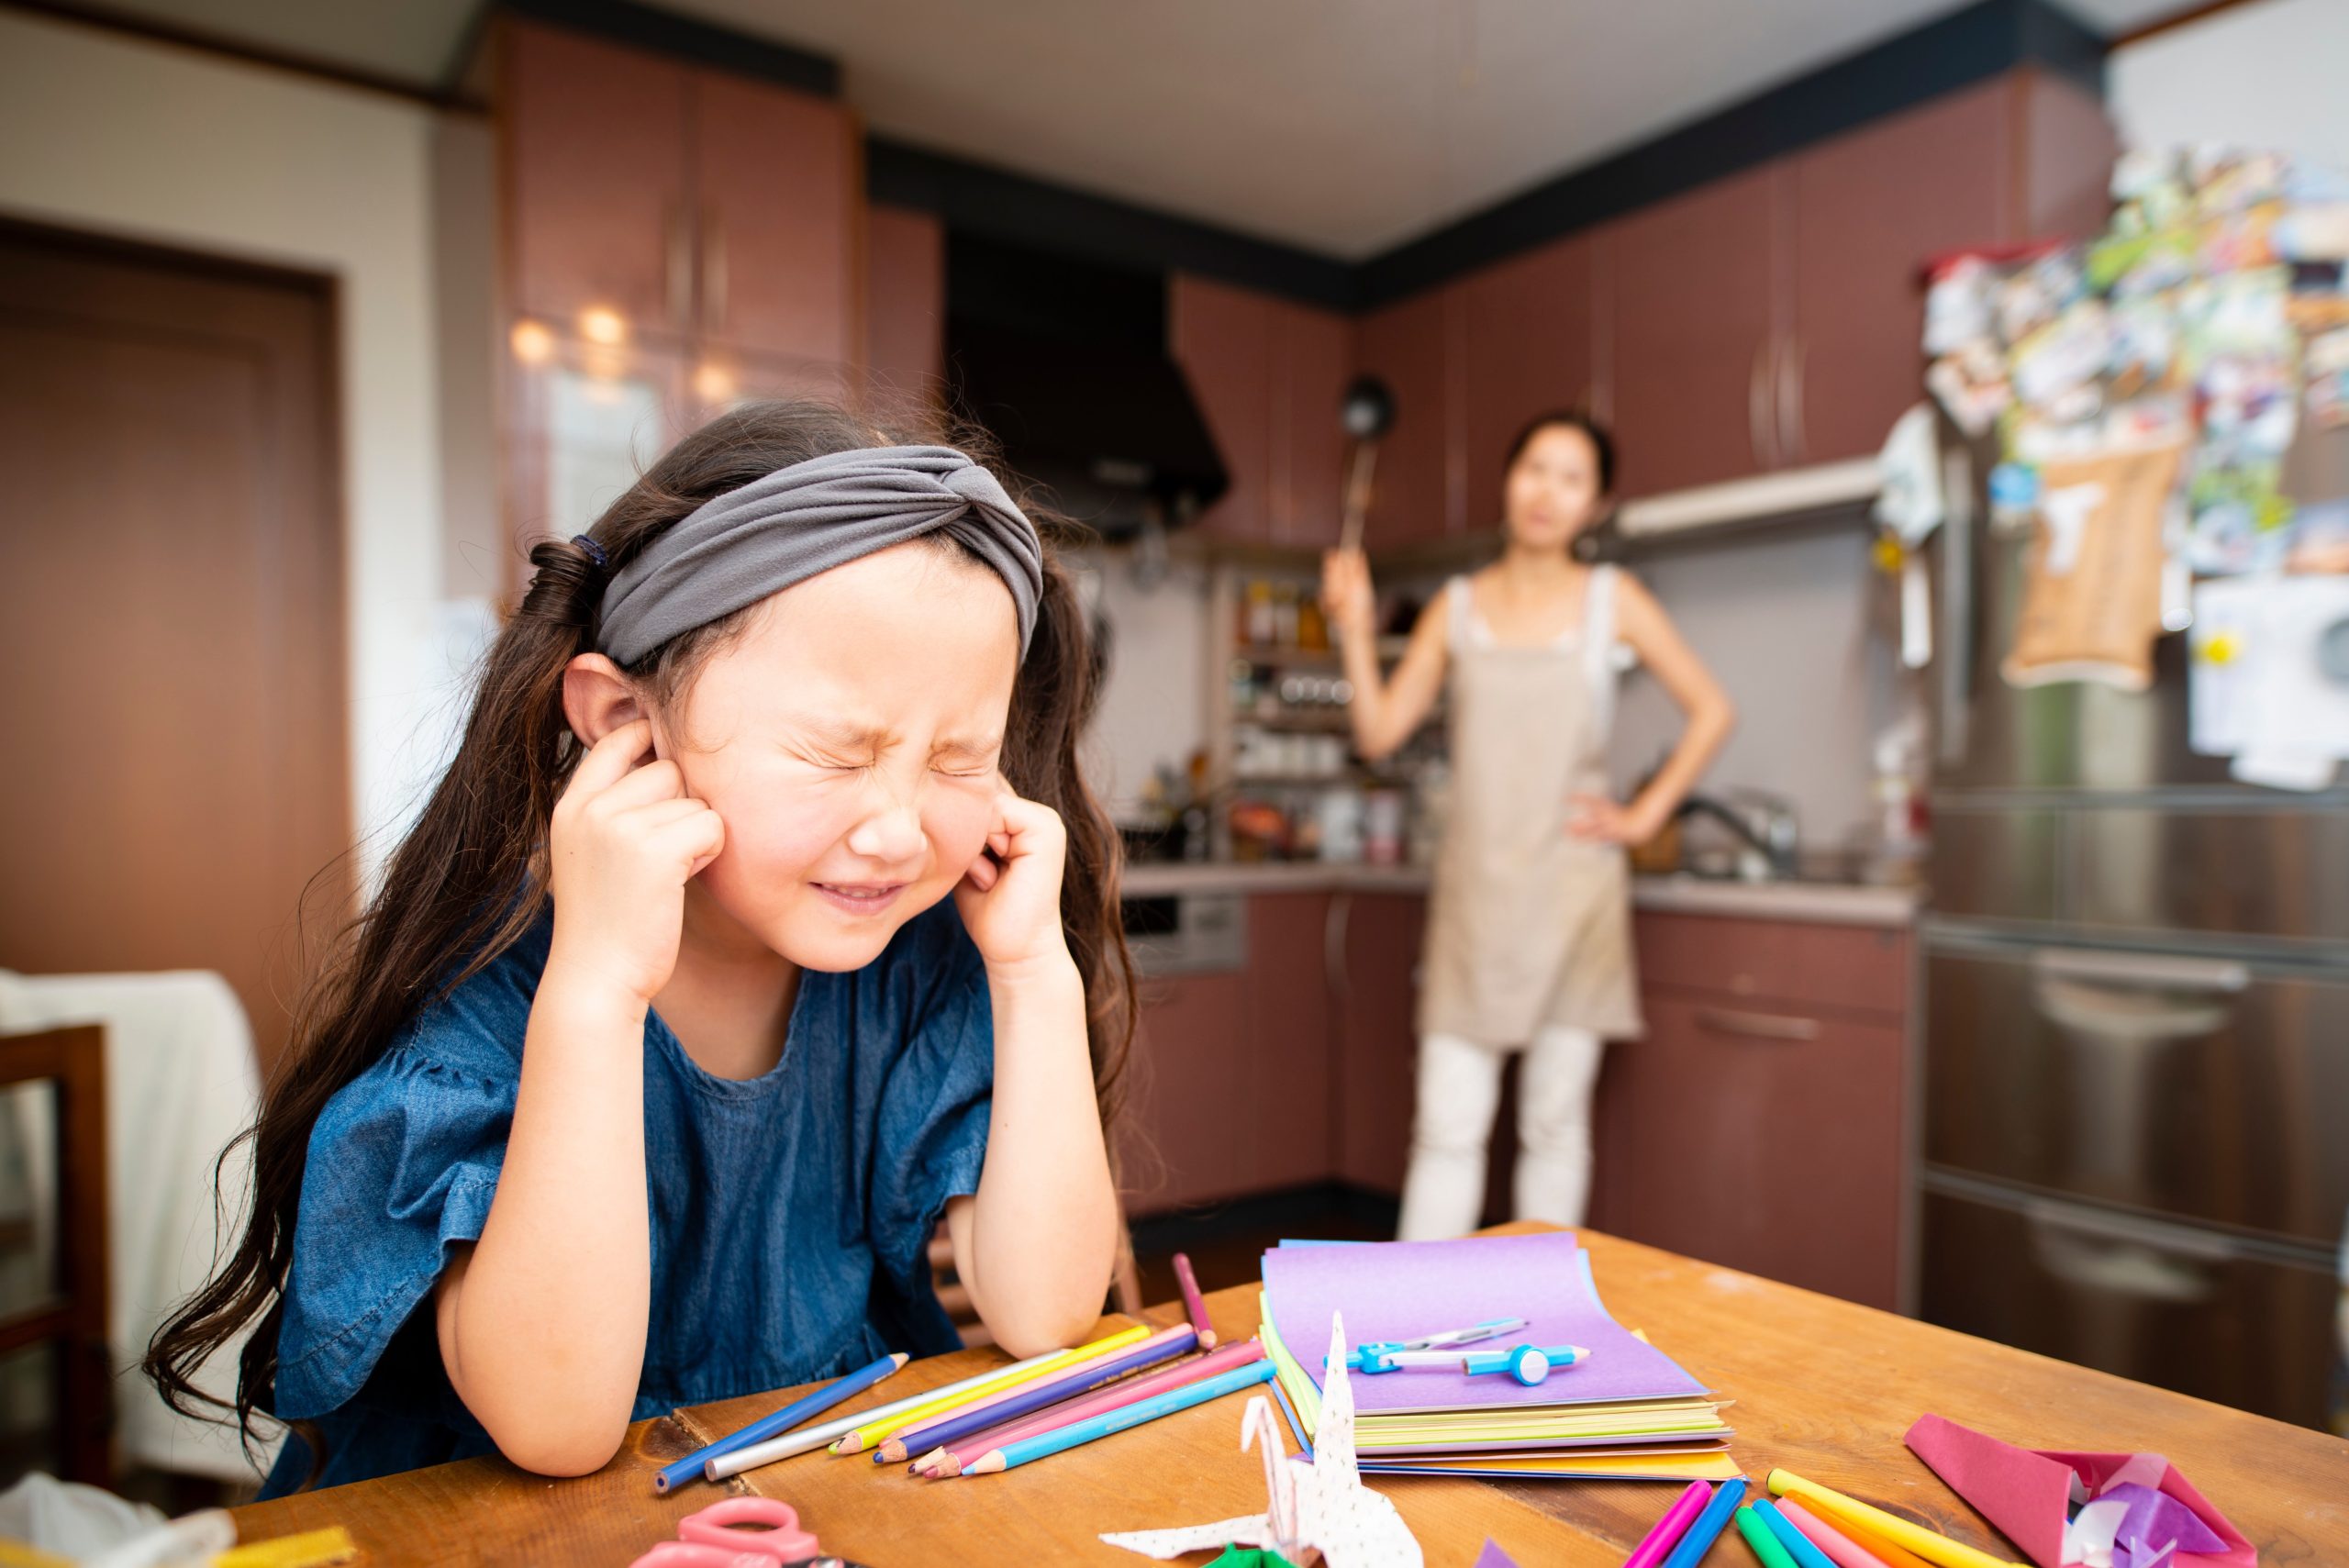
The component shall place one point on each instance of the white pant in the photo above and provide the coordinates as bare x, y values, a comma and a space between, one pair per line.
1459, 1090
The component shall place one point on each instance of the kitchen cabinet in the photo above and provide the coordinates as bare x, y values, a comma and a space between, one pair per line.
1269, 374
1414, 347
1530, 343
905, 308
1178, 1141
1870, 209
777, 199
1695, 281
1760, 1124
1377, 1000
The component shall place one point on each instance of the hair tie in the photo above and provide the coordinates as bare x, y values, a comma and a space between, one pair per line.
595, 552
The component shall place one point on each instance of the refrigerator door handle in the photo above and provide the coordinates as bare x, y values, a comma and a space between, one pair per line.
2120, 1257
2141, 971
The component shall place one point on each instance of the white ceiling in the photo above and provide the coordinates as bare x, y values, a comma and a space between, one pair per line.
1342, 126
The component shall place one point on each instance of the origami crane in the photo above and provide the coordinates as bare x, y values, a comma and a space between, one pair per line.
1323, 1510
2133, 1511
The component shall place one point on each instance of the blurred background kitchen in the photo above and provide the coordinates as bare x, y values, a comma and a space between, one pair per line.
2000, 975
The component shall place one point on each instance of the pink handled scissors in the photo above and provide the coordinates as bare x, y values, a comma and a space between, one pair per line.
739, 1532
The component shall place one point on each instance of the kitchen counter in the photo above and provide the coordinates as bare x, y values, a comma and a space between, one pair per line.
1827, 903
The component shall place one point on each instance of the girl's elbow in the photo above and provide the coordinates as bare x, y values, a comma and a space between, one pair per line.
562, 1449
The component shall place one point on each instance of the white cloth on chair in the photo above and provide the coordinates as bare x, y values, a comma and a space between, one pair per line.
180, 1082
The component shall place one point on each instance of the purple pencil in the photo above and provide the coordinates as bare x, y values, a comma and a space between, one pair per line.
1164, 1345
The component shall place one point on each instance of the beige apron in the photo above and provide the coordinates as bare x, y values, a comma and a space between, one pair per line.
1528, 927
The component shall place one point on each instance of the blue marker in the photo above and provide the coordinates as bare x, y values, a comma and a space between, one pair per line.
1708, 1526
1800, 1547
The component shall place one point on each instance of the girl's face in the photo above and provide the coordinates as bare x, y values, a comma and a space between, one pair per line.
1553, 492
848, 741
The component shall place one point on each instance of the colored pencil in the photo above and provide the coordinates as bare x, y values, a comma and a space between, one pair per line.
1193, 1304
1925, 1543
872, 1432
1861, 1536
1081, 1378
943, 1460
1062, 1439
1708, 1526
1798, 1545
1671, 1527
720, 1466
1841, 1549
1760, 1537
801, 1409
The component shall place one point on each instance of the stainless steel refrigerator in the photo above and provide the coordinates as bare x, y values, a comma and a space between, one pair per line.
2135, 1121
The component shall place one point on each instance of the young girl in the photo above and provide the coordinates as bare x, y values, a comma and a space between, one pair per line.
647, 1075
1529, 925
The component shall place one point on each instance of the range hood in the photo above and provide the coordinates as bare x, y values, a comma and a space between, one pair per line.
1109, 427
1792, 496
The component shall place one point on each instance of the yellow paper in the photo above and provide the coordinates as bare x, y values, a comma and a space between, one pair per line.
865, 1437
311, 1549
1925, 1543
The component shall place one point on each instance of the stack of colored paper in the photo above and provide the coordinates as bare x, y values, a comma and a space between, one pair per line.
1625, 1412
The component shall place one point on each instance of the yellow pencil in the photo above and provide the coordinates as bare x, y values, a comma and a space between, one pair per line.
1925, 1543
864, 1437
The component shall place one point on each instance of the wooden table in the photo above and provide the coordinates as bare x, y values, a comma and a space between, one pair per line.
1821, 1387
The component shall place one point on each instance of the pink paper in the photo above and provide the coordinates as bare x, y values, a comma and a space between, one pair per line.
2025, 1494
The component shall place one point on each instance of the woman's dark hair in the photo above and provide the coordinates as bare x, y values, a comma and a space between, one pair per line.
448, 906
1602, 445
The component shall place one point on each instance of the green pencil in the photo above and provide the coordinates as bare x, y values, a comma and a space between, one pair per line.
1759, 1537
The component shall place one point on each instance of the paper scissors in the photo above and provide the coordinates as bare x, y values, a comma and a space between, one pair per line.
740, 1532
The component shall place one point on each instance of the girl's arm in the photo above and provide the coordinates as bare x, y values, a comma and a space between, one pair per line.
1036, 1245
1641, 621
1385, 713
542, 1321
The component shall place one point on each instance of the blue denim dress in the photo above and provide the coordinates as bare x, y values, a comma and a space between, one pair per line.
791, 1213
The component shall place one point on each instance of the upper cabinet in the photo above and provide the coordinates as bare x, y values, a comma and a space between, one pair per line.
594, 179
1529, 345
905, 307
689, 202
1269, 374
1694, 285
1414, 347
1869, 210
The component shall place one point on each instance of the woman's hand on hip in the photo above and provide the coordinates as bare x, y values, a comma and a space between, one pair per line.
624, 839
1600, 821
1011, 896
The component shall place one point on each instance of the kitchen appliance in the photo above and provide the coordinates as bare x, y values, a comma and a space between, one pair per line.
1185, 933
2136, 1038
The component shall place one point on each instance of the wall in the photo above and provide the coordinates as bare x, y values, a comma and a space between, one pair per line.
155, 144
2267, 75
1154, 708
1788, 625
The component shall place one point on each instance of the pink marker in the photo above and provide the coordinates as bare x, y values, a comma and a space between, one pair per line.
1671, 1527
1839, 1548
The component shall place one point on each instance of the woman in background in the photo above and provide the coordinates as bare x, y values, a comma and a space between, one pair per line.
1529, 928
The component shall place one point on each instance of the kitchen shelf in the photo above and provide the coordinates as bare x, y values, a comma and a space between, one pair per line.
1389, 648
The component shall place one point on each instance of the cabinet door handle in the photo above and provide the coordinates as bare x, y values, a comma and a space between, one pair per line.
2143, 971
1757, 404
677, 265
1756, 1026
713, 272
1792, 361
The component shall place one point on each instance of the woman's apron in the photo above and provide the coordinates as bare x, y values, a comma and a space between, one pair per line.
1528, 927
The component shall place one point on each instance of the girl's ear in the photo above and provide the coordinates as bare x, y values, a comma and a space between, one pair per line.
598, 698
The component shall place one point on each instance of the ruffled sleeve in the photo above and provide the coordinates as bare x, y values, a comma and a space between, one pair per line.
932, 1137
403, 1165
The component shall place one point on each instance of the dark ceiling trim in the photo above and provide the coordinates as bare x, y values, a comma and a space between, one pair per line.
1954, 51
995, 203
2184, 18
666, 32
107, 19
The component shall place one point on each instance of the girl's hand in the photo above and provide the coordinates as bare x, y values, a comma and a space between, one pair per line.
1604, 821
1347, 597
1010, 900
625, 840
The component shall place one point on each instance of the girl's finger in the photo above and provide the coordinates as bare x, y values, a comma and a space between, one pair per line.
608, 761
658, 781
984, 874
659, 814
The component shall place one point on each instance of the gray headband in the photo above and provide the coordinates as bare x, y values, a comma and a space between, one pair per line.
737, 547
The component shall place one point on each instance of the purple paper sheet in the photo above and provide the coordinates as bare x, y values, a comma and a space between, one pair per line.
1399, 1290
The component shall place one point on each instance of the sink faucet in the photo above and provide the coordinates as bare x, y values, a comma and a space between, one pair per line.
1765, 823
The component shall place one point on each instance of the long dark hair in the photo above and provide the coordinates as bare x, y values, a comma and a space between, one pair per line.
447, 904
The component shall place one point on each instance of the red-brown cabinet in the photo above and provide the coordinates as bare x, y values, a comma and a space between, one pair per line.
1529, 345
1269, 374
1414, 347
1695, 281
776, 202
904, 307
1377, 1000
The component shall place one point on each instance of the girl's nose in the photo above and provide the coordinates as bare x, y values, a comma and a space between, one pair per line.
892, 834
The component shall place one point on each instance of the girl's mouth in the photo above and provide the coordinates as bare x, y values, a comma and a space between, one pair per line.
860, 897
